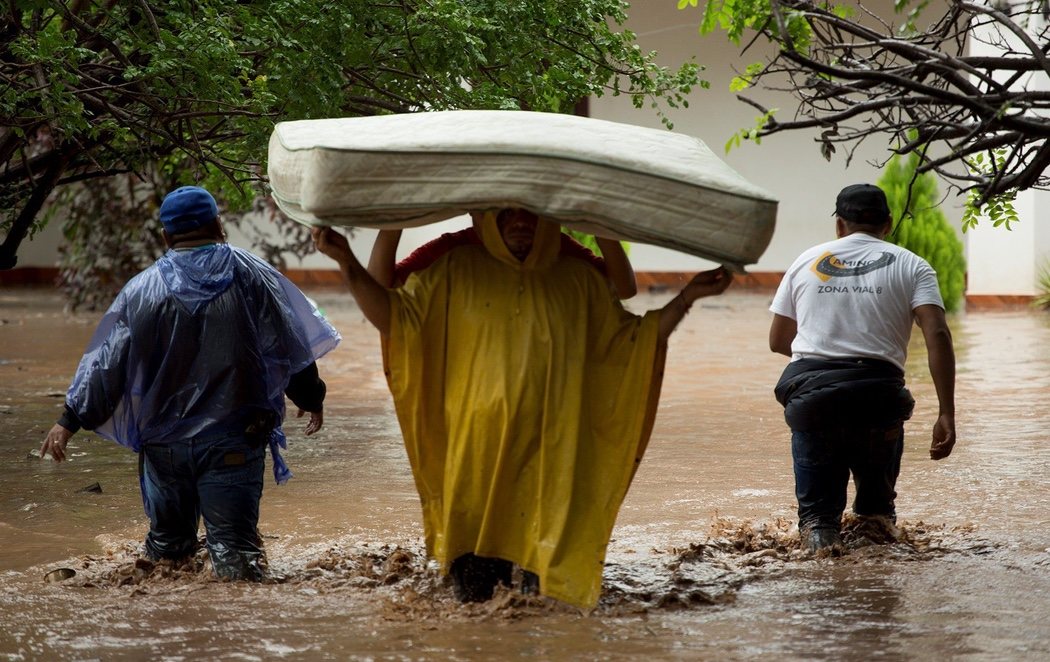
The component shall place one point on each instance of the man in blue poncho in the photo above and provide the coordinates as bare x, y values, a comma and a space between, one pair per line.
189, 368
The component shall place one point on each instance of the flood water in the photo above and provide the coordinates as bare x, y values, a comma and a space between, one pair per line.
705, 560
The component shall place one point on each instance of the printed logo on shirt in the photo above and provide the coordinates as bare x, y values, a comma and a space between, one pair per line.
828, 266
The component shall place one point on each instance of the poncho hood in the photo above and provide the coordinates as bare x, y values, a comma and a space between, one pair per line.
198, 275
545, 246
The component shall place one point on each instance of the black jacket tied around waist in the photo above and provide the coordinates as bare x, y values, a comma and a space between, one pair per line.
822, 393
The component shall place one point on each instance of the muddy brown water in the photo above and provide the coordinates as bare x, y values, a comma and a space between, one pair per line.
704, 563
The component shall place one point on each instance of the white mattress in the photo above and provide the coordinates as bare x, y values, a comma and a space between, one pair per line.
618, 180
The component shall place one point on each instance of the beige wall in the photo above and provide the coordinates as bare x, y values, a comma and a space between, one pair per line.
42, 250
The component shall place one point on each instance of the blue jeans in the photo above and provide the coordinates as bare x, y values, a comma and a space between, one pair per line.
219, 477
825, 459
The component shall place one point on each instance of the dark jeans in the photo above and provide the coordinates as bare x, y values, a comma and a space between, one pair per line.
824, 461
219, 477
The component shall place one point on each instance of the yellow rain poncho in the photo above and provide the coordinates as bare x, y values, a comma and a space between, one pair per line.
526, 396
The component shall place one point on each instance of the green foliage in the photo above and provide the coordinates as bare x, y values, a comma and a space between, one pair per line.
753, 133
735, 17
910, 11
922, 227
587, 240
225, 71
741, 83
192, 89
590, 242
998, 208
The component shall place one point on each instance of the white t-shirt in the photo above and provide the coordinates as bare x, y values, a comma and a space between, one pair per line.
854, 297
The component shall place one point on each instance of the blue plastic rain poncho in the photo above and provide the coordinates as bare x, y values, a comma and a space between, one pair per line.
204, 340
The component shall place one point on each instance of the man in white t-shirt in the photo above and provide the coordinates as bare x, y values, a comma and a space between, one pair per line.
844, 314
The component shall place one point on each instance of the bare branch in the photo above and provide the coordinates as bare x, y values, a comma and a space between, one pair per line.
922, 84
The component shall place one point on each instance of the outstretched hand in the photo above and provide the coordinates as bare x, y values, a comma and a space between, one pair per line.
331, 243
704, 284
315, 422
55, 443
707, 284
943, 437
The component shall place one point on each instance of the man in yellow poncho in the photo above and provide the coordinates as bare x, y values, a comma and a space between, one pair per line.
526, 395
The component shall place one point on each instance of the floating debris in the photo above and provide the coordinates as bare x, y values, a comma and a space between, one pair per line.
59, 575
410, 587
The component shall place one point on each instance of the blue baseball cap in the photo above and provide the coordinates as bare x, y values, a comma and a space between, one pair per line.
187, 208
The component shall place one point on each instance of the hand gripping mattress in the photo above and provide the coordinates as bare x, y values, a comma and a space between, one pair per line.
616, 180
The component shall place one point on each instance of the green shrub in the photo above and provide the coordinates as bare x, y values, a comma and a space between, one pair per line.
922, 228
1042, 300
590, 242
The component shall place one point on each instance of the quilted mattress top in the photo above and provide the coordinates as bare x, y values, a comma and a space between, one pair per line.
617, 180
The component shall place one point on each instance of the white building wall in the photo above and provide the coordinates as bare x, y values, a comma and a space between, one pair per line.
1002, 262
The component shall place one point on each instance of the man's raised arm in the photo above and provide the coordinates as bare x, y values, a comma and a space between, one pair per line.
369, 294
383, 260
618, 268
